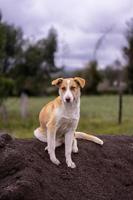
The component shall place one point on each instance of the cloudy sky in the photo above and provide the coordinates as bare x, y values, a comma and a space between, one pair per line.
79, 23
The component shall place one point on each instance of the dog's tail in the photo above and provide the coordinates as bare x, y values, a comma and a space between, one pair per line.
86, 136
40, 135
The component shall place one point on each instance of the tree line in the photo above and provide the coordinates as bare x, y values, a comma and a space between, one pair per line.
115, 76
27, 66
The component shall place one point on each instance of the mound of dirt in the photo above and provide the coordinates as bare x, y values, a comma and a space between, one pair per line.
102, 173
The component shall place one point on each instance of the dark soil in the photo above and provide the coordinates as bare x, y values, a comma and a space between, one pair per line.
102, 173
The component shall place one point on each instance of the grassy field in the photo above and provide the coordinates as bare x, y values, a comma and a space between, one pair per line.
98, 114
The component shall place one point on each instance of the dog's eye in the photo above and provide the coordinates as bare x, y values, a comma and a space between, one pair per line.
63, 88
73, 88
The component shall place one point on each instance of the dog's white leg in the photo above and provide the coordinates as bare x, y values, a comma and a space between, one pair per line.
68, 149
58, 144
74, 146
51, 137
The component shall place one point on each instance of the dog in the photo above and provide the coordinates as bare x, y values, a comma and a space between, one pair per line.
59, 120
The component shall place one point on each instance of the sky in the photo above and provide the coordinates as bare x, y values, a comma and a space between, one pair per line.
79, 24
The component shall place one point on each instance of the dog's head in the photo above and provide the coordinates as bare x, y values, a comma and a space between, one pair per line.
69, 88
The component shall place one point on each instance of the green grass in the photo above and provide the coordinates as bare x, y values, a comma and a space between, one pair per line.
99, 114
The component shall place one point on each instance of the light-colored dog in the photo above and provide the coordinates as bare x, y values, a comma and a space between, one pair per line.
59, 120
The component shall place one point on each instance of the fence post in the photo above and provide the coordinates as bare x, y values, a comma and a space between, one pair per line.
120, 106
24, 104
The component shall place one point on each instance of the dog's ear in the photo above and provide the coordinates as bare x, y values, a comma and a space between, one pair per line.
80, 81
57, 81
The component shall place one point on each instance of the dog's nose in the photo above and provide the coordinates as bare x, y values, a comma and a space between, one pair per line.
68, 100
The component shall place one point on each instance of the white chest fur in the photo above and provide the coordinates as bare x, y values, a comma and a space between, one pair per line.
67, 118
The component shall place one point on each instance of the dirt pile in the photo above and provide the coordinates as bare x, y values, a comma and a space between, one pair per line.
102, 173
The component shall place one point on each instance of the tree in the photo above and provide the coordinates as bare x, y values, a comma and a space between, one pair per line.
30, 65
10, 46
37, 65
112, 74
91, 73
128, 53
92, 76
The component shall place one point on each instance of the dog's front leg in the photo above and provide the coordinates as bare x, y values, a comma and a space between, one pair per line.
51, 140
69, 136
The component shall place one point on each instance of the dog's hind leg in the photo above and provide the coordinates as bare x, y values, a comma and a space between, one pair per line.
40, 134
74, 146
59, 142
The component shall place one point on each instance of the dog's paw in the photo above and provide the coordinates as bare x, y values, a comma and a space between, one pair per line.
75, 150
46, 148
71, 164
55, 161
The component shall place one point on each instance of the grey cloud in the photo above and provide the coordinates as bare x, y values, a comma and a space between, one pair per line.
79, 24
